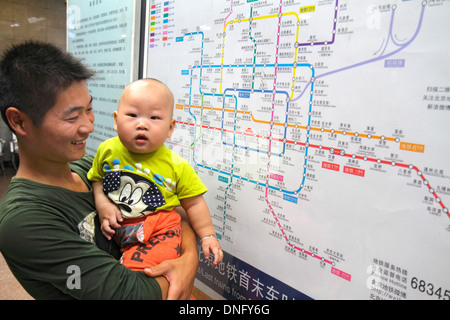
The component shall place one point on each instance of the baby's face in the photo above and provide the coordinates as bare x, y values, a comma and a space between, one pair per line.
143, 120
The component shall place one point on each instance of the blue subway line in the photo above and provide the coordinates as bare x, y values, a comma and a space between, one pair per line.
231, 175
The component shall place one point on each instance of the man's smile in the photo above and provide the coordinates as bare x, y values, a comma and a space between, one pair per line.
79, 142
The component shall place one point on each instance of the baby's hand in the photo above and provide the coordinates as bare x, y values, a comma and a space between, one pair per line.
110, 219
211, 245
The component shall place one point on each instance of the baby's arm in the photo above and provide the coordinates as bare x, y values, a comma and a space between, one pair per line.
109, 214
200, 219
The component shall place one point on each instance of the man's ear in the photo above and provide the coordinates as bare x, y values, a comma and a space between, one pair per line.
17, 120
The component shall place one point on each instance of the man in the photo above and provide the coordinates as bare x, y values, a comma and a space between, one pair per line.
47, 215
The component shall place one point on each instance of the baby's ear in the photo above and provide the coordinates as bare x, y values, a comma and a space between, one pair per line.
171, 127
115, 121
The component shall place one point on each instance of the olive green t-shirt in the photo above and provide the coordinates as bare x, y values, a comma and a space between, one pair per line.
47, 239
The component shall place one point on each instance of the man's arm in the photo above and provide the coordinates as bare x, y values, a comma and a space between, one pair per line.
164, 285
56, 263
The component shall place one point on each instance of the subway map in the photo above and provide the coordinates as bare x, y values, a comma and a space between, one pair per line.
321, 129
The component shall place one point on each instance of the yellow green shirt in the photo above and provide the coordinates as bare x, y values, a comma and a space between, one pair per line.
144, 183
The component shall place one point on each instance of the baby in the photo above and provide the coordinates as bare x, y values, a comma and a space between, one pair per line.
138, 182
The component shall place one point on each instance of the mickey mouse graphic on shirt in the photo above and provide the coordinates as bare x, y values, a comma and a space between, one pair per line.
138, 197
133, 194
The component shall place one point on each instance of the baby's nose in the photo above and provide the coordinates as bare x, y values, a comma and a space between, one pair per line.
142, 125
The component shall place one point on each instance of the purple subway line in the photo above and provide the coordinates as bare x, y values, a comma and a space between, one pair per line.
406, 44
309, 44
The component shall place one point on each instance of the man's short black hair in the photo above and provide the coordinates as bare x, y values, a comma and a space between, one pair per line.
32, 74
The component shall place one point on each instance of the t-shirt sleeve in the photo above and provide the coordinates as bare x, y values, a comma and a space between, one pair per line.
58, 264
96, 171
189, 184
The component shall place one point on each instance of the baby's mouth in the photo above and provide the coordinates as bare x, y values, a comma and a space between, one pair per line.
141, 138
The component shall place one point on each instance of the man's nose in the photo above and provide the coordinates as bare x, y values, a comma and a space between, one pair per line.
88, 123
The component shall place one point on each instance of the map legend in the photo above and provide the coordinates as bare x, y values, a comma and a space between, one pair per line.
161, 23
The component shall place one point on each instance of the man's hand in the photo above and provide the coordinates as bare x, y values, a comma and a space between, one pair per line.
178, 274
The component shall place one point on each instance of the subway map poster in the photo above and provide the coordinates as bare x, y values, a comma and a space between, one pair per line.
321, 129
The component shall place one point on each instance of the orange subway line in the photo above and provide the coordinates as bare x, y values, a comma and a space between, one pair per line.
282, 124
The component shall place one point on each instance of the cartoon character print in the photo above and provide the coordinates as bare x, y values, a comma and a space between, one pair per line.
134, 194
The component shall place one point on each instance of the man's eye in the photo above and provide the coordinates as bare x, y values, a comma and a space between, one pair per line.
72, 118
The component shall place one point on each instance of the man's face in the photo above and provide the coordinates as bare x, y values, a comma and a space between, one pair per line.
62, 135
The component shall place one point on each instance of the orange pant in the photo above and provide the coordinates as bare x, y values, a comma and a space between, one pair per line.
149, 240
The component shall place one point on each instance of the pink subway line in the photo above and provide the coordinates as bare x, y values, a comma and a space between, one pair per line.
231, 12
268, 164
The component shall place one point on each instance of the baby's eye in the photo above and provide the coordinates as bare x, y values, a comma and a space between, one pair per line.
154, 117
132, 115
